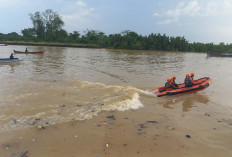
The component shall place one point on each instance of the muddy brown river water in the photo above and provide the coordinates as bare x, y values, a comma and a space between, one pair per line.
82, 87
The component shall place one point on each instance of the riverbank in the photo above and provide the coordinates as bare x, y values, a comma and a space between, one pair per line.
53, 44
149, 131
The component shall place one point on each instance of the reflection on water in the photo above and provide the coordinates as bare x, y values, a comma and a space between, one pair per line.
187, 101
143, 62
12, 68
50, 64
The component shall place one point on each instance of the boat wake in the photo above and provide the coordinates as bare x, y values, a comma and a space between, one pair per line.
62, 101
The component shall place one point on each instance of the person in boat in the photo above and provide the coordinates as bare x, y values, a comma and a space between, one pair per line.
191, 77
173, 83
187, 81
167, 84
26, 50
11, 56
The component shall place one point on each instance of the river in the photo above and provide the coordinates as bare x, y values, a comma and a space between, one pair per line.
70, 100
88, 81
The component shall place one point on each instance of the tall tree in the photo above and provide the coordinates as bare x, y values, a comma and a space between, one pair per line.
53, 23
38, 24
47, 24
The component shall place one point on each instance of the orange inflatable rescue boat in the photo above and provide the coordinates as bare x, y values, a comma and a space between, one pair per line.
200, 84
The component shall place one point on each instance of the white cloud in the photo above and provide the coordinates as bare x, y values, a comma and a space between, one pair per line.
82, 13
156, 14
195, 9
81, 3
168, 21
79, 15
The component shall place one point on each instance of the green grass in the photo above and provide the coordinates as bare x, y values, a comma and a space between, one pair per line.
51, 43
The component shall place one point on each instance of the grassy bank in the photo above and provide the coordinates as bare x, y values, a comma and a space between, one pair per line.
57, 44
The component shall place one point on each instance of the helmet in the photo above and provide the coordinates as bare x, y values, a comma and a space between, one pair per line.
187, 75
192, 74
168, 79
174, 76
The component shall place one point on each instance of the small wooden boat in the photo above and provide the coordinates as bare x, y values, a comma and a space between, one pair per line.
8, 60
3, 44
200, 84
214, 54
28, 52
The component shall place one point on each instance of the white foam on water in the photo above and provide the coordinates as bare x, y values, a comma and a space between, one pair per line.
127, 104
77, 100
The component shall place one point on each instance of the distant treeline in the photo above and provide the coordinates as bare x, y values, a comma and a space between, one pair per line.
47, 27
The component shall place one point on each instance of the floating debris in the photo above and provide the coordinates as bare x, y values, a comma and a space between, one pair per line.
111, 117
41, 127
24, 154
154, 122
142, 126
188, 136
62, 105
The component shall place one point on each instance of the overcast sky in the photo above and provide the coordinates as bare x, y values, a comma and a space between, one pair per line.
197, 20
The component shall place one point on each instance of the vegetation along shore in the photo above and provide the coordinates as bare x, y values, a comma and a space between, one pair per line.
47, 31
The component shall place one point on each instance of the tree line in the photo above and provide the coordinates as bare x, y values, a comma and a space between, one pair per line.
48, 27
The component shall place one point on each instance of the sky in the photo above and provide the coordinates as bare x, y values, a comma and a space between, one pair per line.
205, 21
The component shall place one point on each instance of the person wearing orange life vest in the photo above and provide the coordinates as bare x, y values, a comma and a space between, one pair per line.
192, 75
173, 83
191, 78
